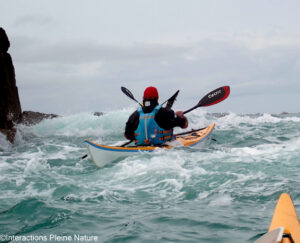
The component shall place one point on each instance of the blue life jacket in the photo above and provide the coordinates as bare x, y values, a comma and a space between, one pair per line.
148, 131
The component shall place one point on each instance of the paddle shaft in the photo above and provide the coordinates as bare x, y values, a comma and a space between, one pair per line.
184, 133
193, 108
123, 145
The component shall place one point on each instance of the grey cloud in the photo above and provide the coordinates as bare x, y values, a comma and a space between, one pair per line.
78, 53
30, 19
95, 72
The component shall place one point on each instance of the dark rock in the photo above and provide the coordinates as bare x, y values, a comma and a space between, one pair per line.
4, 42
10, 106
30, 118
98, 113
10, 134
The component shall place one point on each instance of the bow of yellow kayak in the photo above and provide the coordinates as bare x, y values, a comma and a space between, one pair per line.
285, 226
285, 215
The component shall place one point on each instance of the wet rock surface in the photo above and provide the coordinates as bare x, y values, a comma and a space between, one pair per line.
30, 118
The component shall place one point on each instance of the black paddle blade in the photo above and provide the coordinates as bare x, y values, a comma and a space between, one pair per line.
212, 98
171, 100
215, 96
128, 93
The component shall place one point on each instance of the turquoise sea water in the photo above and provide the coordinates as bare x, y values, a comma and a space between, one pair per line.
225, 191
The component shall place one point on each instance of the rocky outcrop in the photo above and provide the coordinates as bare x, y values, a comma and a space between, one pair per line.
30, 118
10, 106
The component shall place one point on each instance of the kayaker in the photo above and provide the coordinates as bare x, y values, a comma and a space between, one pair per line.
152, 124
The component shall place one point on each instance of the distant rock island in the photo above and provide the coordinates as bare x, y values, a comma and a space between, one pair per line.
10, 106
98, 113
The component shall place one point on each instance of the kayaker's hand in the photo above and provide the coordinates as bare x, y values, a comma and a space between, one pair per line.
180, 114
186, 122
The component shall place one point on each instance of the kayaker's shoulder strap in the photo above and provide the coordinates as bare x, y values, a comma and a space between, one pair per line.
156, 109
140, 109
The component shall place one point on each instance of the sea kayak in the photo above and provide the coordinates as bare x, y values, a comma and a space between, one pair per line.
105, 154
285, 226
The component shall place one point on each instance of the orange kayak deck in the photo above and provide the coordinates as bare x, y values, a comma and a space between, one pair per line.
285, 215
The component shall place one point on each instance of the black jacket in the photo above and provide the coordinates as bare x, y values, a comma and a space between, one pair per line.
165, 118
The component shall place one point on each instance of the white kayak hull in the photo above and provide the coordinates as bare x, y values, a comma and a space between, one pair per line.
105, 154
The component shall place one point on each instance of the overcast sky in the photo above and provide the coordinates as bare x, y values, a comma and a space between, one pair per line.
73, 56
